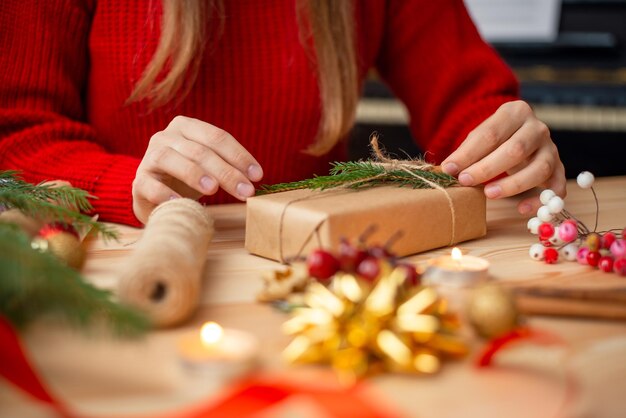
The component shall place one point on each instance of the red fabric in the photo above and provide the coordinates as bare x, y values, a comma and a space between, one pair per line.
246, 399
67, 67
15, 367
256, 395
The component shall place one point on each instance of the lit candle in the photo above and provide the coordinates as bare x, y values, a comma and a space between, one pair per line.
225, 353
456, 270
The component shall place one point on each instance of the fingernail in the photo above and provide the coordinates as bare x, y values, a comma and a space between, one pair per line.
525, 209
207, 183
255, 173
450, 168
493, 191
245, 190
466, 179
173, 197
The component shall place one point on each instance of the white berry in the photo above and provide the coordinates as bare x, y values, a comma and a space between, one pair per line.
569, 251
555, 239
546, 195
544, 214
585, 179
536, 252
533, 225
556, 204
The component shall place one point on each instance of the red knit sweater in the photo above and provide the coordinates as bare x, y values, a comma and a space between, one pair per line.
67, 67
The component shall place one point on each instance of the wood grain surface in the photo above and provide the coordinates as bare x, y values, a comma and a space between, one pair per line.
107, 378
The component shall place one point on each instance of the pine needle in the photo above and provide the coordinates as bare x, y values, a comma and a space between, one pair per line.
364, 174
35, 284
46, 202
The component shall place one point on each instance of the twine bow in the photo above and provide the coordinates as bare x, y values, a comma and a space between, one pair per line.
410, 167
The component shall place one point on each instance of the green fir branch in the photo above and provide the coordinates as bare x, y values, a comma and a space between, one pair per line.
35, 284
46, 202
364, 174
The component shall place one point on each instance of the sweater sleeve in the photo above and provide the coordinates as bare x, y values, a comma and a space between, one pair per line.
43, 127
434, 60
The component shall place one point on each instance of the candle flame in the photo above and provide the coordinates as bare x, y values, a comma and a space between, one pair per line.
211, 333
456, 254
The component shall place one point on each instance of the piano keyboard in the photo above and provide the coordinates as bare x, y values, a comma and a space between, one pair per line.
562, 117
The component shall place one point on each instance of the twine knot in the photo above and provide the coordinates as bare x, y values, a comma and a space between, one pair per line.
410, 167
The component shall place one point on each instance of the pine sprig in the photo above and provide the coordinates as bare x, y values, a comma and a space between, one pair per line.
45, 202
365, 174
33, 284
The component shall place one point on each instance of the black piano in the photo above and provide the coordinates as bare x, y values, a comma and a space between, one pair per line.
576, 84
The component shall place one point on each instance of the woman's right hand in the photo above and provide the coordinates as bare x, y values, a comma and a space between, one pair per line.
191, 158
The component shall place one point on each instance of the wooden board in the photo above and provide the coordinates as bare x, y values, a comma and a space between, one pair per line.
234, 276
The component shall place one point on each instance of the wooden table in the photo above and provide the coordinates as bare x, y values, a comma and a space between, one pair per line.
105, 377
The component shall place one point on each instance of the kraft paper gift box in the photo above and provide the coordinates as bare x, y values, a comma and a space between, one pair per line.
282, 226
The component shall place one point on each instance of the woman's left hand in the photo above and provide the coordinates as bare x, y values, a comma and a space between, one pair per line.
511, 141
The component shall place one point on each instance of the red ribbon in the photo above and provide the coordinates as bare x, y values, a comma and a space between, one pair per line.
259, 393
521, 334
244, 400
15, 367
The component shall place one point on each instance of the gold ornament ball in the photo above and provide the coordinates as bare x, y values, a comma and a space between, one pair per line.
63, 245
492, 311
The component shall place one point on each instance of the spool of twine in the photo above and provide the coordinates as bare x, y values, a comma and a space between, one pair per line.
164, 274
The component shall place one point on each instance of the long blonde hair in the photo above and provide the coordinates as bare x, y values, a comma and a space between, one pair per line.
328, 23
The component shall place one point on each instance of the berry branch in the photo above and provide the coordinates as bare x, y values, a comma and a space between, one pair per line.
560, 233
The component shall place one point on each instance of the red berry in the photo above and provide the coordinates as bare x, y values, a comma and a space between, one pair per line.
593, 258
54, 228
608, 239
546, 230
546, 243
350, 256
322, 264
551, 255
619, 266
568, 231
369, 268
606, 264
379, 252
412, 277
618, 248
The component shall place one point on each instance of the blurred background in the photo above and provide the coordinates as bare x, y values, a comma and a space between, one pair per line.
570, 58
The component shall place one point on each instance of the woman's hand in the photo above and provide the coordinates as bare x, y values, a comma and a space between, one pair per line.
511, 141
191, 158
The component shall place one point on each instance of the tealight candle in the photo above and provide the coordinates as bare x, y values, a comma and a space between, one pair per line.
456, 270
223, 352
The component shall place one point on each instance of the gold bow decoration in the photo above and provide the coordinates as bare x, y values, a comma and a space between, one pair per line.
362, 329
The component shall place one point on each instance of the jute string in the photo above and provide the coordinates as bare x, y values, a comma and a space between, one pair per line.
409, 166
163, 275
389, 164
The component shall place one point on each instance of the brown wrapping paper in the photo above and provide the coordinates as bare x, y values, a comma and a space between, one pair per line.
283, 225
